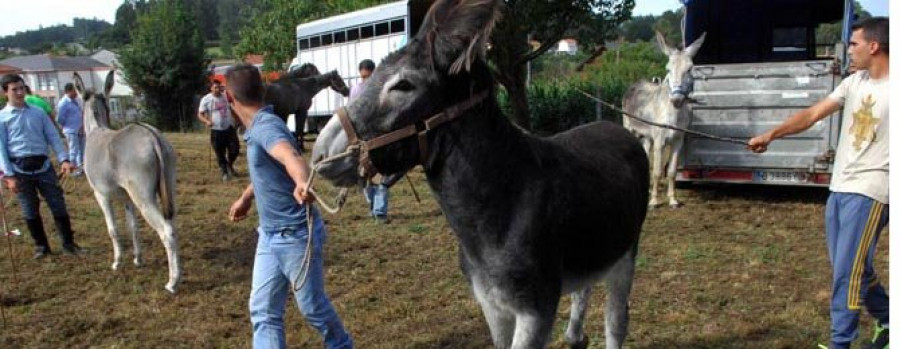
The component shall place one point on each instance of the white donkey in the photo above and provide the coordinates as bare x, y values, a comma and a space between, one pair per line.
135, 161
666, 104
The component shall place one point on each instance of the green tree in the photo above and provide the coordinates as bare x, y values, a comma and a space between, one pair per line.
639, 28
669, 24
231, 21
273, 26
592, 22
165, 63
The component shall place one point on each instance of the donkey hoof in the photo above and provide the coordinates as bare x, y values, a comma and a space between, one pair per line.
675, 204
582, 344
115, 266
170, 288
138, 262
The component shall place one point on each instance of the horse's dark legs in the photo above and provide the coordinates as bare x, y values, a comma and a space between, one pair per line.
299, 123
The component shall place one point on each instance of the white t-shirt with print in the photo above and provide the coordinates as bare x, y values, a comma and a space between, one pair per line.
861, 163
216, 108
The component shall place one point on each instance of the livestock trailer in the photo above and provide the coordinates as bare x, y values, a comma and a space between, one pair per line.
759, 64
341, 42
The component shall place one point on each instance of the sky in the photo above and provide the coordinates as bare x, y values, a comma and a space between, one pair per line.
31, 14
657, 7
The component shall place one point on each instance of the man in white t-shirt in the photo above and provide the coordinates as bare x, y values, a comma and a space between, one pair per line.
215, 113
857, 208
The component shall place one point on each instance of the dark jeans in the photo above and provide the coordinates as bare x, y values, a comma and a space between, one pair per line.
48, 185
226, 146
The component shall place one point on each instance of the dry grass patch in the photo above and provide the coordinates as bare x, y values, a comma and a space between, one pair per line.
738, 266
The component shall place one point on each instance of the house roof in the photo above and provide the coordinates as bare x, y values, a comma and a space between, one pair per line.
47, 62
4, 69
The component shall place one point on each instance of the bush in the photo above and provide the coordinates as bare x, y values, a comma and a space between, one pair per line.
556, 104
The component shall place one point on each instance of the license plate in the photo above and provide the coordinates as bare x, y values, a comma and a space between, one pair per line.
780, 176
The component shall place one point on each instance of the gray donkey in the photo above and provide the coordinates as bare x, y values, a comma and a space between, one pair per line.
665, 104
135, 161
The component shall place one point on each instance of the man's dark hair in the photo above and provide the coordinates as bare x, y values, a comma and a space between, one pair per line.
27, 90
367, 64
69, 87
245, 83
875, 29
9, 79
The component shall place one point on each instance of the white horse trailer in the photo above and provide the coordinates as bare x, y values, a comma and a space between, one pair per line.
761, 63
341, 42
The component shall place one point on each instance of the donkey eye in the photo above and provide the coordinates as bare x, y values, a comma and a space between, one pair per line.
403, 85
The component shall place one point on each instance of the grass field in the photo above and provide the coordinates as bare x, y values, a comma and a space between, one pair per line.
736, 267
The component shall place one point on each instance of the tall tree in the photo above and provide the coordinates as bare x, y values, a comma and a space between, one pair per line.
165, 63
639, 28
273, 26
592, 22
669, 24
232, 18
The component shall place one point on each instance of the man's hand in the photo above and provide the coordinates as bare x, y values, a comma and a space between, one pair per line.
67, 167
760, 144
239, 209
302, 195
11, 184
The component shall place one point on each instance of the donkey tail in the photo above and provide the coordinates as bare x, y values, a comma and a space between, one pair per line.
166, 177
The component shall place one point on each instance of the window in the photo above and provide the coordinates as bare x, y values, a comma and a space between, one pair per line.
352, 34
303, 44
398, 25
327, 39
46, 82
340, 37
314, 42
382, 29
366, 32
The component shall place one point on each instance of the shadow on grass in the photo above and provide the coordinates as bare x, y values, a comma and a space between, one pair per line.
756, 192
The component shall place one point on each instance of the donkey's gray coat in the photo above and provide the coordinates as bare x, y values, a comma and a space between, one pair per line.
136, 164
535, 217
663, 103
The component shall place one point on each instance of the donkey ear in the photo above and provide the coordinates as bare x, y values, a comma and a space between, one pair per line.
695, 46
110, 81
661, 41
457, 31
79, 84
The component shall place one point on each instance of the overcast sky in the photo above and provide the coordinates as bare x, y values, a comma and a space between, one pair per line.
656, 7
23, 15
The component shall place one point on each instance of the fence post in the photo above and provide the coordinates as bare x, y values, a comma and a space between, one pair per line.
597, 106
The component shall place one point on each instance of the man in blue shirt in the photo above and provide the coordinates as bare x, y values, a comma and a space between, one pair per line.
70, 120
278, 178
26, 134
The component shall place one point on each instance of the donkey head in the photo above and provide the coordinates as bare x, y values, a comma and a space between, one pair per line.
96, 105
440, 68
678, 69
337, 83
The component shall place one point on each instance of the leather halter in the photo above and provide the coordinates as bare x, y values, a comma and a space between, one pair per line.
367, 169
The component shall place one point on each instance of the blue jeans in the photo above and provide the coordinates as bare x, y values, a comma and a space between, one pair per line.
48, 185
853, 223
76, 148
377, 197
279, 259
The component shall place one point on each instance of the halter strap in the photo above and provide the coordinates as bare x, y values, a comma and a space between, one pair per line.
420, 129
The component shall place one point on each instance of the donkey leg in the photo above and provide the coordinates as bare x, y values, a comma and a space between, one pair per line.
132, 226
106, 206
533, 328
163, 227
656, 173
618, 285
501, 322
575, 331
670, 175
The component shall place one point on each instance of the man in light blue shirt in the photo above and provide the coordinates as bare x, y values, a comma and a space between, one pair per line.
70, 120
278, 181
26, 134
